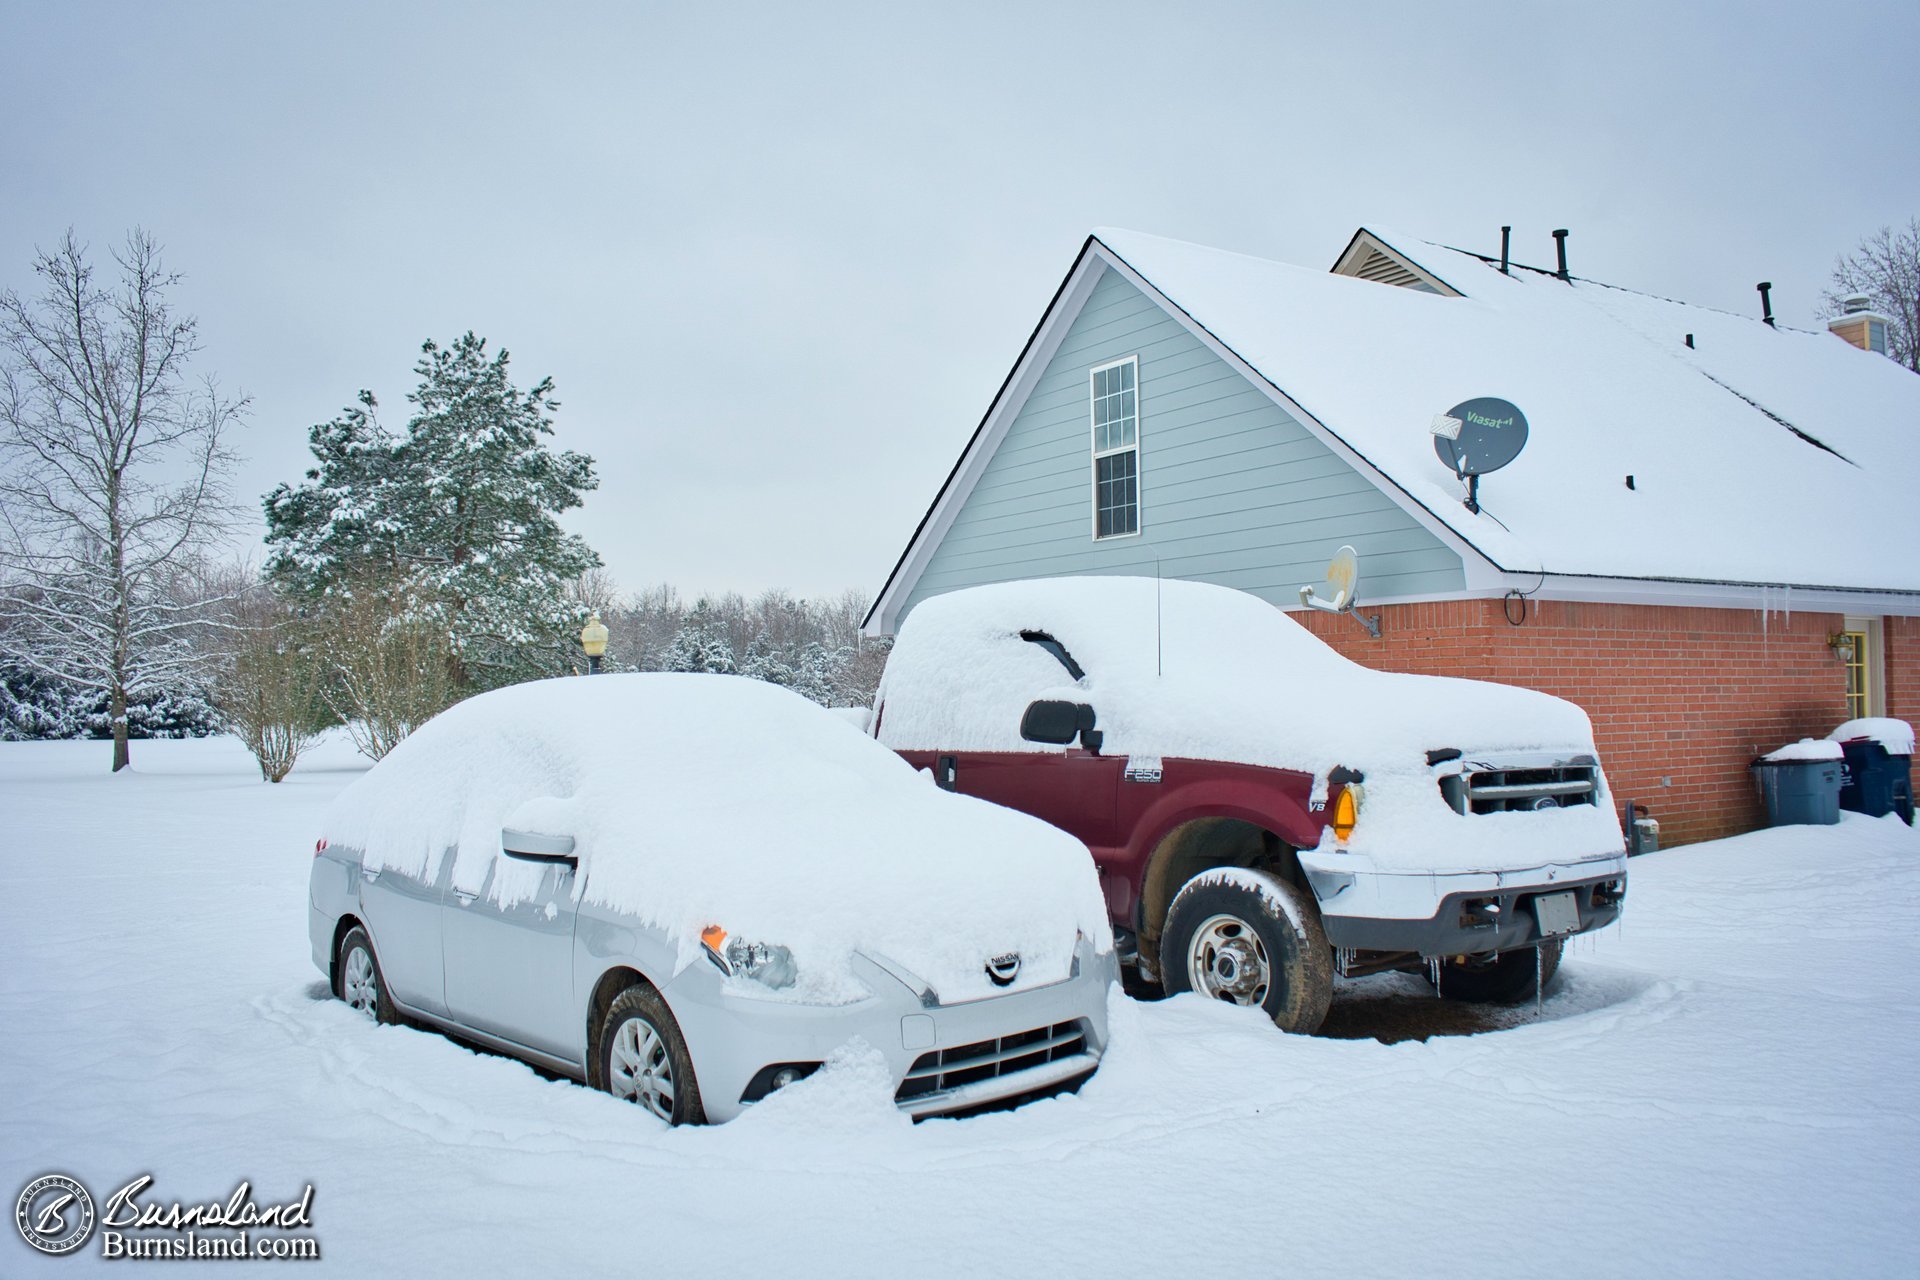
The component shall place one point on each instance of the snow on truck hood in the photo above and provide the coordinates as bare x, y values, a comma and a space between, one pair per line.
1192, 670
696, 800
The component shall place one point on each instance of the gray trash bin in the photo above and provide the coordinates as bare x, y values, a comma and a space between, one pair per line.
1798, 792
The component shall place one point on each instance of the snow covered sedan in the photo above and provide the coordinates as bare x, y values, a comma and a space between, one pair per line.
690, 890
1265, 813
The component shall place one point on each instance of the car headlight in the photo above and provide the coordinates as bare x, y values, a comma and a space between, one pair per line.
769, 964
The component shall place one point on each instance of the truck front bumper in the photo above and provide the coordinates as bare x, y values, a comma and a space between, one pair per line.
1477, 913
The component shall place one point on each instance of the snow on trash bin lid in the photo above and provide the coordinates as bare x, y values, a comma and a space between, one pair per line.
1895, 735
1804, 750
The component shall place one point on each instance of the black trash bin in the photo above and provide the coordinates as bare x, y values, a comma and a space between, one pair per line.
1798, 792
1878, 782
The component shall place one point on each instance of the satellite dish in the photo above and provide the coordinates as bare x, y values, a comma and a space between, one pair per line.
1478, 436
1338, 592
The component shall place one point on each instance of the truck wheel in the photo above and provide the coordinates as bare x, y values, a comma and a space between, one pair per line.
1249, 939
1508, 978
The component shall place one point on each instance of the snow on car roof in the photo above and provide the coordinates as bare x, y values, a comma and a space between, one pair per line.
1192, 670
698, 800
1759, 455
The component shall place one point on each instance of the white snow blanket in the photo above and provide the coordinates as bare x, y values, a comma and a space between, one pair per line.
1187, 669
1730, 1086
1895, 735
697, 800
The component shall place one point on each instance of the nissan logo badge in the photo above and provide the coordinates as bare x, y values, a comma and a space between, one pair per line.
1004, 969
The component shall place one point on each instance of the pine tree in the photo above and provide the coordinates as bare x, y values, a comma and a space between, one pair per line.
453, 520
701, 645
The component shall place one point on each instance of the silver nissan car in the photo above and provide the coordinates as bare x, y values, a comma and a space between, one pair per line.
691, 890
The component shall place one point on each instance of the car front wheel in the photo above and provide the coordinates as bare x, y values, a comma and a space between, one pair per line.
358, 980
1249, 939
644, 1058
1508, 978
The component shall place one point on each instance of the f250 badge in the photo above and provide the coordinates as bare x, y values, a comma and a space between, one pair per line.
1143, 769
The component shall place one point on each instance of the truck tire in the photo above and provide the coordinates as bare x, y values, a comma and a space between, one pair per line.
1249, 939
1508, 978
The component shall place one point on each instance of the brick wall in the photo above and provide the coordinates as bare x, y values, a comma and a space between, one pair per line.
1682, 700
1901, 637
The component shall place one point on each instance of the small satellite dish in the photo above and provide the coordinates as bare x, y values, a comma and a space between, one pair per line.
1338, 592
1478, 436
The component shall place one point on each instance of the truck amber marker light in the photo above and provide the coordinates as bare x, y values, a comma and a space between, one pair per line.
1346, 811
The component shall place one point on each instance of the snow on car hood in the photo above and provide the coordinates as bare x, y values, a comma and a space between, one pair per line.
698, 800
1192, 670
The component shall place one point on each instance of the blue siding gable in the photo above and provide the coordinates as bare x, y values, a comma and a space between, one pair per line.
1233, 490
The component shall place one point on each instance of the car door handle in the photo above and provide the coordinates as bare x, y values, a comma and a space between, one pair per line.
369, 873
466, 899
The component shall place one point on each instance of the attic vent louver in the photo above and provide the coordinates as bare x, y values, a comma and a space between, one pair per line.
1380, 268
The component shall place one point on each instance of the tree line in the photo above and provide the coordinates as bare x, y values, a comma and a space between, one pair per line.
413, 565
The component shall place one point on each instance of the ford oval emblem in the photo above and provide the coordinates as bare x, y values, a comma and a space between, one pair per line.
1004, 969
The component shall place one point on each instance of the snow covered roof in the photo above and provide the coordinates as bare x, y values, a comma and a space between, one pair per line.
1760, 455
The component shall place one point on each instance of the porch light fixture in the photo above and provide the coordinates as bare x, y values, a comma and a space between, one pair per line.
1841, 642
593, 642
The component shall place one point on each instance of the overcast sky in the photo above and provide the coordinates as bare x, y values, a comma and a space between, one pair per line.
778, 258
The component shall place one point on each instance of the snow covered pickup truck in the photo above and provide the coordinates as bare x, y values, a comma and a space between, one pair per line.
1265, 813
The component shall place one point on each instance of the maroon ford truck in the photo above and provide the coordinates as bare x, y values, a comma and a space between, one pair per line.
1264, 813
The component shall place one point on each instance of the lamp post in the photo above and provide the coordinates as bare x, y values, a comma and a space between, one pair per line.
593, 640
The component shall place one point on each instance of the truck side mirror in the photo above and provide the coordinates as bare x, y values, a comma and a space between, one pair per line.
1057, 723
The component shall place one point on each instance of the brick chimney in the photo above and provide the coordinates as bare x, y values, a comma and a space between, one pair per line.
1859, 324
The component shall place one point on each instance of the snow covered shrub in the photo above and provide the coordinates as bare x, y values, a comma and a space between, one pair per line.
268, 689
36, 708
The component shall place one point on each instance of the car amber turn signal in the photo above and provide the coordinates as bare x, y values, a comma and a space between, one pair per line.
1346, 811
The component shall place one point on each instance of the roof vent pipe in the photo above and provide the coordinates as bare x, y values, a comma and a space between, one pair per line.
1560, 246
1766, 301
1506, 238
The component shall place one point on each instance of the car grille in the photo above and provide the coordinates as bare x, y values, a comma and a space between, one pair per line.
1487, 788
945, 1069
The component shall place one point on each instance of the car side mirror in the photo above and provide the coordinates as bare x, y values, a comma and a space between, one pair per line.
1057, 723
531, 846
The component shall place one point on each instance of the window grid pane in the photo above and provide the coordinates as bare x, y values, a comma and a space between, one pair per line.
1117, 494
1116, 453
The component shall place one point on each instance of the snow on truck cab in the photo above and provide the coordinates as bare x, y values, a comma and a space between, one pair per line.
1264, 812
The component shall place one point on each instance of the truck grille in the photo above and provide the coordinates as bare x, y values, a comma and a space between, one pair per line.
1489, 788
945, 1069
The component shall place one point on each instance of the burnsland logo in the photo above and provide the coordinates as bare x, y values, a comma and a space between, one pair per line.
56, 1216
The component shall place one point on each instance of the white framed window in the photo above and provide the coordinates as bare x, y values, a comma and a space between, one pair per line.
1113, 391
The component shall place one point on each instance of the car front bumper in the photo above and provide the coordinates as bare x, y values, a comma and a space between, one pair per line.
942, 1058
1473, 913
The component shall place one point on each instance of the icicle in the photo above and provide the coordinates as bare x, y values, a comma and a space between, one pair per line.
1539, 980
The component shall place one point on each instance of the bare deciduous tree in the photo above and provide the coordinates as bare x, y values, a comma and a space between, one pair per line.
1886, 267
113, 470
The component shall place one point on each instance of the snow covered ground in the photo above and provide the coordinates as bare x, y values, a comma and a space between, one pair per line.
1723, 1085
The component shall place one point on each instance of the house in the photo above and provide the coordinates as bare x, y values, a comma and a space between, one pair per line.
1711, 539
